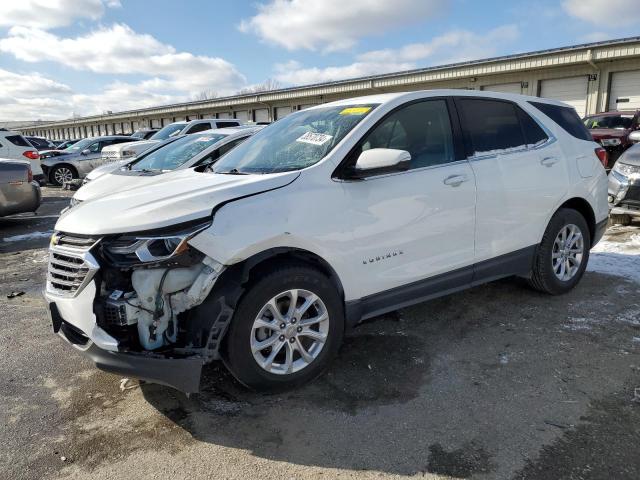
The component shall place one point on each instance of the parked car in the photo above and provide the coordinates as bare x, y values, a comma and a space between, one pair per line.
14, 146
176, 153
624, 187
19, 193
144, 134
612, 129
78, 159
331, 215
66, 143
126, 151
41, 143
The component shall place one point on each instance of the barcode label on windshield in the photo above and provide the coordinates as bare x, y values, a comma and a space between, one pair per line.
314, 138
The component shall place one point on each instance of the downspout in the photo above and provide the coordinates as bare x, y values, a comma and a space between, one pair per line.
594, 109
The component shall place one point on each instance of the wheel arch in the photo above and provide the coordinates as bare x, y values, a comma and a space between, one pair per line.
583, 207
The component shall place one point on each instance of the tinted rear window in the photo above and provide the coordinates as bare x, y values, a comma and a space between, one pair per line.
566, 117
490, 125
19, 140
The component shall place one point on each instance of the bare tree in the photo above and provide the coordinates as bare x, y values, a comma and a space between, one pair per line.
266, 86
206, 95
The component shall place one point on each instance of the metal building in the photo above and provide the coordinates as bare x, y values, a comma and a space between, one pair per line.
592, 77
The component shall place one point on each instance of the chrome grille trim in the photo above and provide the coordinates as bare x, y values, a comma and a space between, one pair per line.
71, 265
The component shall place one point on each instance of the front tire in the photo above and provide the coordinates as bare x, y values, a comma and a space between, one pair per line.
286, 329
61, 174
562, 256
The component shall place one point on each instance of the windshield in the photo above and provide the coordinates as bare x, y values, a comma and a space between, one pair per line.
176, 153
81, 145
297, 141
621, 122
168, 131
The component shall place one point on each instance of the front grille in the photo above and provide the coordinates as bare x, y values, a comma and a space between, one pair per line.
71, 265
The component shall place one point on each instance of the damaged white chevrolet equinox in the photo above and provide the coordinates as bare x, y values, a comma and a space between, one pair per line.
332, 215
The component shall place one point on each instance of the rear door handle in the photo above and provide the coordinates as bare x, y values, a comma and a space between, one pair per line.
455, 180
548, 161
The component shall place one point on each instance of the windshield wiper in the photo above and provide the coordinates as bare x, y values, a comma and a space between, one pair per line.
233, 171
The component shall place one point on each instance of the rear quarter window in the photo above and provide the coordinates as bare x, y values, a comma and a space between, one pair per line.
19, 140
566, 117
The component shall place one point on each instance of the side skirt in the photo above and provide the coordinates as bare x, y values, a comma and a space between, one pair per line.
518, 263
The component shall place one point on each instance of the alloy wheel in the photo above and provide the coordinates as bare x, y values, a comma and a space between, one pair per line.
289, 332
567, 252
62, 175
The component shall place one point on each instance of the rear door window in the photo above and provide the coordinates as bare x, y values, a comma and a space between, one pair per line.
533, 133
566, 117
490, 126
227, 124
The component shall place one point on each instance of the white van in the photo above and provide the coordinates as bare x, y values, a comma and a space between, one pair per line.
15, 147
329, 216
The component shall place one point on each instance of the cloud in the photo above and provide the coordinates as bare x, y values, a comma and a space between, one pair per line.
332, 25
608, 13
120, 50
49, 14
454, 46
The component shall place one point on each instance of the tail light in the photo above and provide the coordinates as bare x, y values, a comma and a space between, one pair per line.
29, 175
603, 156
31, 155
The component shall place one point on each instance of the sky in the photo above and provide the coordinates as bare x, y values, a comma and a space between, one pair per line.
65, 58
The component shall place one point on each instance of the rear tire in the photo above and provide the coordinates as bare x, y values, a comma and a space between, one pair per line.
287, 331
622, 219
563, 254
62, 173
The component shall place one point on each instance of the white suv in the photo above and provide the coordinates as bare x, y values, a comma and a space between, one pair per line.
332, 215
15, 147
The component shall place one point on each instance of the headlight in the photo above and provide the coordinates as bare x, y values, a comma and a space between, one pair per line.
626, 169
610, 142
141, 248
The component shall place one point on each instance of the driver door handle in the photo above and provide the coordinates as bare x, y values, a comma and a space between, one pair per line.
548, 161
455, 180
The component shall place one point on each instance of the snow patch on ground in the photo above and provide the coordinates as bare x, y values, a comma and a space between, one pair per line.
28, 236
620, 259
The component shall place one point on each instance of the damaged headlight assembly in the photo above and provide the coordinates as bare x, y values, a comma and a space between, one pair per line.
166, 277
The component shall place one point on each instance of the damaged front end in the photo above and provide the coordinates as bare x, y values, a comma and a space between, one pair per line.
139, 305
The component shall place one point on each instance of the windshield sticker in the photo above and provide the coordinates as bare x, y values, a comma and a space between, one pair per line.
204, 139
314, 138
355, 111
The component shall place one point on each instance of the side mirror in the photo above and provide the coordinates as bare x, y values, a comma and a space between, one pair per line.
86, 151
378, 161
634, 137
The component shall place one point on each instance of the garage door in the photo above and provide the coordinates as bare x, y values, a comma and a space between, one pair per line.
242, 116
306, 105
625, 91
261, 115
504, 88
224, 115
571, 90
282, 112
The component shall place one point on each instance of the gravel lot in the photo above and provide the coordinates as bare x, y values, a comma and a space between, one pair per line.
498, 382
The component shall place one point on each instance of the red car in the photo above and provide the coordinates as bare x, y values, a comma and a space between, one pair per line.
612, 129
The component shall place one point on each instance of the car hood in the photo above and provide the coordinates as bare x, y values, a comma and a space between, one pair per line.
179, 196
109, 182
108, 168
631, 156
138, 146
598, 133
